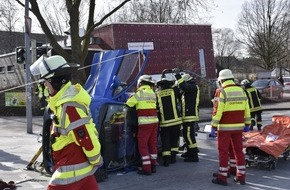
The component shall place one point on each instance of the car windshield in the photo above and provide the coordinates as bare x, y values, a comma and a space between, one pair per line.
260, 83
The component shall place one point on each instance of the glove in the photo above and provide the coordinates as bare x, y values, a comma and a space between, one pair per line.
246, 128
212, 132
176, 70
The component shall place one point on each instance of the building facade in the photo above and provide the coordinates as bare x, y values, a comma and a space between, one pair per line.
189, 47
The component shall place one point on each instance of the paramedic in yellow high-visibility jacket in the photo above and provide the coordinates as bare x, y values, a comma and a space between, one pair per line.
231, 115
74, 138
145, 102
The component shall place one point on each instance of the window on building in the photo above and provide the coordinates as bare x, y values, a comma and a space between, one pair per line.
10, 69
2, 69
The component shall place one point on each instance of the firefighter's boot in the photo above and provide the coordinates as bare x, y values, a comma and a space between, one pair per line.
253, 123
184, 155
192, 155
153, 168
259, 126
166, 160
173, 158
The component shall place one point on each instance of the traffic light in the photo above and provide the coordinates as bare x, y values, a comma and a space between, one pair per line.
20, 55
40, 51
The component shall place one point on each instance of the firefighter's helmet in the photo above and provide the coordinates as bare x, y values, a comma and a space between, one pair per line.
167, 77
225, 74
145, 78
53, 66
186, 77
245, 82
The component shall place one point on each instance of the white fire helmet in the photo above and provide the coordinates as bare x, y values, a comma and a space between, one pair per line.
225, 74
146, 78
245, 82
48, 67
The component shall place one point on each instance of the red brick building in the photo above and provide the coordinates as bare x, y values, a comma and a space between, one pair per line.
173, 45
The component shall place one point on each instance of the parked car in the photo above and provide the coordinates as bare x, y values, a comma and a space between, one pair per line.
269, 88
286, 87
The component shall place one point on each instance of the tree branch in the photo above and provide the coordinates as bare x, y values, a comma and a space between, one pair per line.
88, 33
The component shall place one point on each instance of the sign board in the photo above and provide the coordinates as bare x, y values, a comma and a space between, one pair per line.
140, 46
28, 21
15, 99
202, 63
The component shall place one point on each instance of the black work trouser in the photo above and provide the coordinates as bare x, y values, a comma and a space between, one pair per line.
189, 136
170, 138
256, 118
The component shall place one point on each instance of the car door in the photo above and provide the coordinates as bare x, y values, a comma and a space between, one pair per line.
273, 88
279, 89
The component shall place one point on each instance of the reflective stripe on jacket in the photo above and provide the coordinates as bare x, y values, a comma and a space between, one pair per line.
76, 148
145, 101
232, 112
254, 99
168, 112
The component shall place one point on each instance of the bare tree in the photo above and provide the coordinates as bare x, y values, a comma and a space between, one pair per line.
264, 29
164, 11
9, 16
79, 44
55, 13
226, 46
8, 22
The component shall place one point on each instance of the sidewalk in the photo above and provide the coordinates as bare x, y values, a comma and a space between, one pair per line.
17, 148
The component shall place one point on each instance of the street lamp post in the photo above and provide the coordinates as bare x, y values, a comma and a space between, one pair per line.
27, 68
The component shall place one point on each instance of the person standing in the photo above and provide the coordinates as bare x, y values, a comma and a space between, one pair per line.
74, 138
229, 118
254, 99
189, 112
232, 162
281, 80
145, 102
169, 119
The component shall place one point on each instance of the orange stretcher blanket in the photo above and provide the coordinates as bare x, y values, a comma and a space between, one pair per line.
274, 139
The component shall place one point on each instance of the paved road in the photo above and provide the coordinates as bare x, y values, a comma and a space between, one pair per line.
17, 148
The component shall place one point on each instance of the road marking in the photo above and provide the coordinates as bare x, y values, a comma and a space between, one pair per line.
281, 177
265, 186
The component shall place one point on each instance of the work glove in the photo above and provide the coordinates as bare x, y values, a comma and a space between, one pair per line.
176, 70
246, 128
212, 133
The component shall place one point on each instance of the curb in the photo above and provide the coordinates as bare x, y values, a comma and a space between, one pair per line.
276, 109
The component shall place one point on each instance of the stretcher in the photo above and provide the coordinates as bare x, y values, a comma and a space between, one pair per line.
263, 148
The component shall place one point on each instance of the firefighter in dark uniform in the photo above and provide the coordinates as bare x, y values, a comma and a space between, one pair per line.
254, 99
189, 112
169, 119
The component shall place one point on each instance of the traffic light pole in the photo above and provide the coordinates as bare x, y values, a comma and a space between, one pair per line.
27, 68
